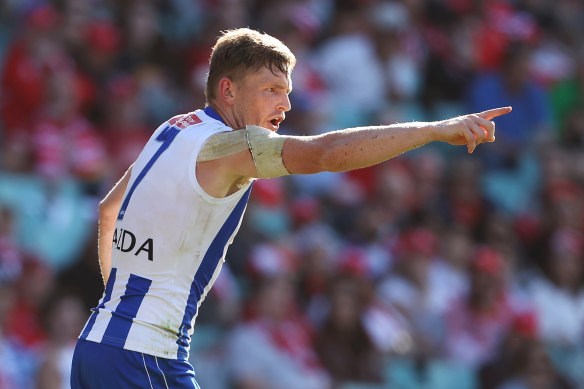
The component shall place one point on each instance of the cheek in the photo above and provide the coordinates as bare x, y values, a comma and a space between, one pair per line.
243, 110
253, 104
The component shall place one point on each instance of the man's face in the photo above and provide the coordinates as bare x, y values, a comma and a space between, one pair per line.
261, 99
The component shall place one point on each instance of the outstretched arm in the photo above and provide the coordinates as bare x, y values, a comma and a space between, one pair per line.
343, 150
108, 214
360, 147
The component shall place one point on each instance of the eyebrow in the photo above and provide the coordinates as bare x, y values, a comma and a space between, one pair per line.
279, 86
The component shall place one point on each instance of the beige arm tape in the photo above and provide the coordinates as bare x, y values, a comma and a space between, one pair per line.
265, 145
266, 150
222, 145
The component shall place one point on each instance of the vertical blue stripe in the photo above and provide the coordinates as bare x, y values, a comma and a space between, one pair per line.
119, 326
205, 272
106, 297
166, 137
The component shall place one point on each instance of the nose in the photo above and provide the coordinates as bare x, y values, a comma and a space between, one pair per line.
285, 104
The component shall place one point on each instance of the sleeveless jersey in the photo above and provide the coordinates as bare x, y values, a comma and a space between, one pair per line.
169, 244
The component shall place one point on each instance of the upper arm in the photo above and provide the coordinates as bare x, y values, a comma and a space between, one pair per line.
217, 177
112, 201
261, 156
300, 155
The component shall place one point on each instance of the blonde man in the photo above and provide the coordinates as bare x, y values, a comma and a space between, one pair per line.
165, 226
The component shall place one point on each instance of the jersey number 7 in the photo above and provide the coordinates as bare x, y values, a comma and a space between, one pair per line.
166, 137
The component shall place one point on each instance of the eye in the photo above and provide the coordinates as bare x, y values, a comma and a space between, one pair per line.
271, 89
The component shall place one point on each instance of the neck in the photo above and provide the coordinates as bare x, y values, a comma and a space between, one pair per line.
227, 115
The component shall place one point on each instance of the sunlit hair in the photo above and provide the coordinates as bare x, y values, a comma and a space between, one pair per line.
241, 51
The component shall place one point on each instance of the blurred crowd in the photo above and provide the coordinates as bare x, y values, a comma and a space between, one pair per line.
436, 269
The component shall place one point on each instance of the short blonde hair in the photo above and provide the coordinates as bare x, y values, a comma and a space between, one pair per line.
240, 51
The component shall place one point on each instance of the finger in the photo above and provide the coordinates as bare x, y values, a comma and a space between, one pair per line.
471, 140
487, 126
491, 137
493, 113
478, 133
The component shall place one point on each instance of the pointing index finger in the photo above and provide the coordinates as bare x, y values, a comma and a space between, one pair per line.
493, 113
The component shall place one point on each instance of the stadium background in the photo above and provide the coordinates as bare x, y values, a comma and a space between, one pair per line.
434, 270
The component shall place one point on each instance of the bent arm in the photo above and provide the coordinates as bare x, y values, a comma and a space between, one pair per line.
108, 214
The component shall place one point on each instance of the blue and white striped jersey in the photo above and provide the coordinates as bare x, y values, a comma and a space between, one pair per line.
169, 244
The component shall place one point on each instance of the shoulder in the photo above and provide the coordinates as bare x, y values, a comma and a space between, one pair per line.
197, 118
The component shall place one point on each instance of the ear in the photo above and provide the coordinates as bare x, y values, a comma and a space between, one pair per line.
227, 90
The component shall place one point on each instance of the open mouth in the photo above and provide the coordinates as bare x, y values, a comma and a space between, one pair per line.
276, 122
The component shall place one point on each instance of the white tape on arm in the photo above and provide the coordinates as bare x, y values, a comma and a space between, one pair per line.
222, 145
266, 150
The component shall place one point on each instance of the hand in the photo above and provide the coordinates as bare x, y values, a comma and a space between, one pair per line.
470, 130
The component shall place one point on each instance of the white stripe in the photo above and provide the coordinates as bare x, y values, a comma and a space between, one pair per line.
104, 315
145, 368
163, 376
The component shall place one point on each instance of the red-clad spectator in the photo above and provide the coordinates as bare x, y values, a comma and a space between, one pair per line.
103, 38
318, 250
413, 290
497, 369
11, 256
63, 318
27, 63
465, 202
32, 290
476, 324
397, 189
65, 143
532, 368
558, 296
450, 269
500, 24
270, 260
12, 374
268, 210
274, 349
125, 130
343, 343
